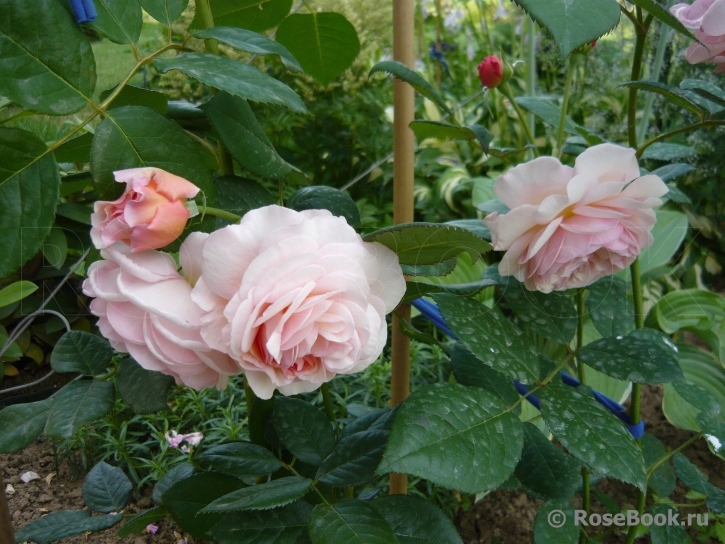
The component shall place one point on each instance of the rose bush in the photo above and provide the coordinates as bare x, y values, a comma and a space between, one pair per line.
707, 19
567, 226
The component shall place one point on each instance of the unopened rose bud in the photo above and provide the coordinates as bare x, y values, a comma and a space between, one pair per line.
493, 72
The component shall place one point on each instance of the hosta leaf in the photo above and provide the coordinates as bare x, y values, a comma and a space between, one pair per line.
55, 76
59, 525
321, 197
240, 459
21, 424
234, 77
349, 521
303, 429
283, 525
164, 11
402, 72
143, 390
78, 403
699, 397
257, 15
251, 42
695, 308
262, 496
458, 437
118, 20
82, 352
106, 488
354, 459
415, 520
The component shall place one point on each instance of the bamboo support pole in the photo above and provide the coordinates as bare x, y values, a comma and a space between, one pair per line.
6, 528
403, 174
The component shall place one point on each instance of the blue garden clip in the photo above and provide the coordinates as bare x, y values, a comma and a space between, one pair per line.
84, 11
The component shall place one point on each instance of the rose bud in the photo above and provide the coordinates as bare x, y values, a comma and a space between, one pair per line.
150, 214
490, 72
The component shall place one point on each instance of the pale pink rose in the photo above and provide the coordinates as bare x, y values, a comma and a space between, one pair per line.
150, 214
144, 308
707, 19
568, 227
296, 298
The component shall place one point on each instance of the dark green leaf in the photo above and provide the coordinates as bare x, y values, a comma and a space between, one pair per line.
174, 475
324, 43
416, 521
59, 525
476, 226
490, 336
661, 13
321, 197
303, 429
140, 521
240, 459
164, 11
415, 290
547, 111
699, 397
239, 195
55, 249
716, 504
82, 352
257, 15
21, 424
662, 480
676, 195
106, 488
55, 76
75, 212
609, 307
470, 370
234, 77
283, 525
144, 390
132, 137
402, 72
29, 190
672, 94
672, 171
243, 136
354, 459
251, 42
441, 131
714, 432
429, 243
483, 135
375, 420
349, 521
118, 20
667, 533
591, 433
693, 478
75, 150
554, 524
442, 268
187, 497
78, 403
668, 152
457, 437
573, 22
705, 93
633, 359
135, 96
545, 469
272, 494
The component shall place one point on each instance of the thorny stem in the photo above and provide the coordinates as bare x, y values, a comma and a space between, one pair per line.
667, 456
666, 135
506, 91
216, 212
329, 408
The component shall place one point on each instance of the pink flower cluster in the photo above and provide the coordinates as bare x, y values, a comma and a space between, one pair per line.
288, 298
183, 441
707, 19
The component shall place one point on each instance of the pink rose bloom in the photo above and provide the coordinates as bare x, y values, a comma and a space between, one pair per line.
296, 298
150, 214
144, 308
568, 227
707, 19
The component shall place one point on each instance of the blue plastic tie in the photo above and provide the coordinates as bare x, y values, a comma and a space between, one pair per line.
433, 314
84, 11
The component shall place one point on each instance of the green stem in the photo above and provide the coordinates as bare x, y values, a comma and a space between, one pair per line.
565, 103
506, 91
666, 135
586, 491
280, 197
207, 21
329, 408
216, 212
667, 456
641, 38
249, 398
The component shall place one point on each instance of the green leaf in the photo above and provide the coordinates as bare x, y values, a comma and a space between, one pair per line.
551, 315
666, 533
668, 233
243, 136
441, 131
55, 248
416, 289
699, 398
592, 434
442, 268
633, 359
136, 96
132, 137
714, 432
283, 525
547, 528
545, 469
164, 11
76, 150
75, 212
187, 497
662, 481
118, 20
415, 80
139, 522
55, 76
16, 291
354, 459
490, 336
173, 476
669, 172
573, 23
106, 488
143, 390
324, 43
696, 308
470, 370
59, 525
375, 420
303, 429
271, 494
609, 307
21, 424
78, 403
483, 135
659, 12
693, 478
257, 15
82, 352
699, 91
668, 152
321, 197
349, 521
429, 243
239, 195
250, 42
547, 111
457, 437
234, 77
671, 94
29, 191
415, 520
240, 459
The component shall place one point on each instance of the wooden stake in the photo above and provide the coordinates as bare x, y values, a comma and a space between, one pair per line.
403, 174
6, 528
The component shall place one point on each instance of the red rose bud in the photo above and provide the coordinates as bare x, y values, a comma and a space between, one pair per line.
490, 72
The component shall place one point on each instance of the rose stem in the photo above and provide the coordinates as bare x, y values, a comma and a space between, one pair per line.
505, 89
565, 103
582, 378
329, 408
